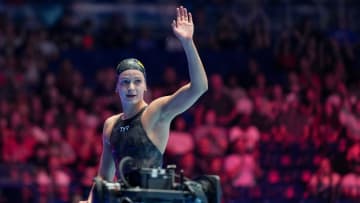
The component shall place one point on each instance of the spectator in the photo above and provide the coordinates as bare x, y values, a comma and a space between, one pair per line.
44, 186
117, 36
217, 99
233, 87
324, 184
350, 119
241, 169
285, 54
181, 155
62, 186
245, 131
226, 36
211, 139
170, 81
350, 183
60, 148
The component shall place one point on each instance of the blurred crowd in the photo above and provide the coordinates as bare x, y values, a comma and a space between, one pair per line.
280, 134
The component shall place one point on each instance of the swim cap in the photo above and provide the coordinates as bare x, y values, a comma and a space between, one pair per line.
130, 63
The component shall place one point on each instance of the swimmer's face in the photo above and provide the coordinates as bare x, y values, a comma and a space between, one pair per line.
131, 86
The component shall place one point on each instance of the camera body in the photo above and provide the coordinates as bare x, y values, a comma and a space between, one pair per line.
159, 185
157, 178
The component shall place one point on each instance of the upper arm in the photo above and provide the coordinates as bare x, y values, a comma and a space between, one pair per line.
169, 106
107, 166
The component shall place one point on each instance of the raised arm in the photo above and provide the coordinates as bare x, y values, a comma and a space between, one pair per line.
183, 28
182, 99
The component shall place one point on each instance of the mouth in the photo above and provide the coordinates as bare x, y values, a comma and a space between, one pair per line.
130, 95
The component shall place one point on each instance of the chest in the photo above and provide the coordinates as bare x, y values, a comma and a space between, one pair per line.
127, 132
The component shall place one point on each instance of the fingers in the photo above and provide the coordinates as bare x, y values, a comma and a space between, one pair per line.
173, 24
183, 15
178, 14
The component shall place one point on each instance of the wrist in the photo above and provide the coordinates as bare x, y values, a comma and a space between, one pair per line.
187, 43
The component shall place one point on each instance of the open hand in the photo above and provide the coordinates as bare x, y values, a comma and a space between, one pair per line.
183, 26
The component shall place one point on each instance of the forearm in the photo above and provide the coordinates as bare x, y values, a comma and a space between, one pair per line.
93, 189
198, 79
90, 198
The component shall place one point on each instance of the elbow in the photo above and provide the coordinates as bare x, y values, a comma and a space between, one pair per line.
203, 88
206, 86
198, 88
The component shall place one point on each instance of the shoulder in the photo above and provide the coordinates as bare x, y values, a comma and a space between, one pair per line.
112, 119
109, 124
153, 112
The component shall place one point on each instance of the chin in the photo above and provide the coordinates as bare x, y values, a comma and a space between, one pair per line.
132, 101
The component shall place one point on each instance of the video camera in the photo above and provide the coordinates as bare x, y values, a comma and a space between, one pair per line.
158, 185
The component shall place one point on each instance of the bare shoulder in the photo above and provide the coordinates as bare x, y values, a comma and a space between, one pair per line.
153, 113
109, 124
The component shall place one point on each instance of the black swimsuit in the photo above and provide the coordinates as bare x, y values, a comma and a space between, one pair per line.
128, 138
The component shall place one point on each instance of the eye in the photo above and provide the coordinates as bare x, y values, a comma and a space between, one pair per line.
124, 82
138, 81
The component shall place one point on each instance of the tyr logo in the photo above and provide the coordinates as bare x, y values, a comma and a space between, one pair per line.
124, 128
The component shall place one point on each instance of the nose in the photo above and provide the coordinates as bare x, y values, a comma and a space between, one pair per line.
131, 86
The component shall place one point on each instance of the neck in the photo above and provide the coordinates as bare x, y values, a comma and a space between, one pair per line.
131, 109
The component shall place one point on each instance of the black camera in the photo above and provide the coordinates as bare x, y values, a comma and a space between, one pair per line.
147, 185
